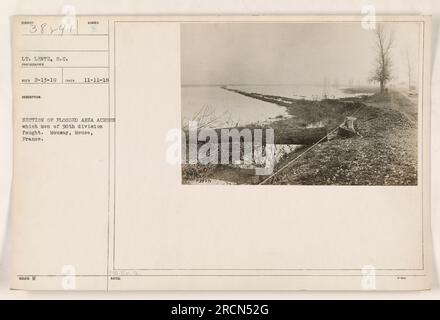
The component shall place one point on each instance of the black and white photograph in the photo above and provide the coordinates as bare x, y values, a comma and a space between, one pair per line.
300, 103
258, 154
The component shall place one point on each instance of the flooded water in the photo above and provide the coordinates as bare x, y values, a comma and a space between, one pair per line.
222, 108
230, 108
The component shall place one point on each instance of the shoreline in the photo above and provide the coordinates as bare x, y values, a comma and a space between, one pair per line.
387, 144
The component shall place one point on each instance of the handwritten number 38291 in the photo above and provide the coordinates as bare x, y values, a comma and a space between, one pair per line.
45, 28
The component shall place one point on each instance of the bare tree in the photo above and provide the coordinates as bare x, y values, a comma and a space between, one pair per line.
384, 43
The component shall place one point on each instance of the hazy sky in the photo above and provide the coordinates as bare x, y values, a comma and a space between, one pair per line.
289, 53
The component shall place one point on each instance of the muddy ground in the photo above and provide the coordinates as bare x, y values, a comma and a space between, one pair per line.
383, 153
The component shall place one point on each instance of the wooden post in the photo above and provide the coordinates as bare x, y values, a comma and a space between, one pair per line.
349, 127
